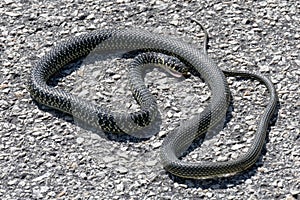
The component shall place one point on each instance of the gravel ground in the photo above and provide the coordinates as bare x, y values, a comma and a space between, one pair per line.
47, 155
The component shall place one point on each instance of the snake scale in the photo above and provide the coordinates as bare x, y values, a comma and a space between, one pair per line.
175, 143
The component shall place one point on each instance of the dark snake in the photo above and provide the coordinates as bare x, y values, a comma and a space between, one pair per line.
175, 143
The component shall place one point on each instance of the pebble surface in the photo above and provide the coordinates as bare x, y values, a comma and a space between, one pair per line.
45, 155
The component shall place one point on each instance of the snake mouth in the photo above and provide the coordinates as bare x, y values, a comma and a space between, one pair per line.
173, 72
176, 73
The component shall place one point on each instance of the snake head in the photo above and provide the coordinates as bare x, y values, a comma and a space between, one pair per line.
174, 66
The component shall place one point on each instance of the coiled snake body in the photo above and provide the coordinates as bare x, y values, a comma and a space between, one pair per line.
175, 143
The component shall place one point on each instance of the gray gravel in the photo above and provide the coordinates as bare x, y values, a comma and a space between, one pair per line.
46, 155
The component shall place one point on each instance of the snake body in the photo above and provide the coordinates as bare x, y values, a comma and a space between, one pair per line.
175, 143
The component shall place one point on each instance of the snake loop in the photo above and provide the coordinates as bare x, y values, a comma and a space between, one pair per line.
175, 143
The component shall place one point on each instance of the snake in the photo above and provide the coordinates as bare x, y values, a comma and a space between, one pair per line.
180, 139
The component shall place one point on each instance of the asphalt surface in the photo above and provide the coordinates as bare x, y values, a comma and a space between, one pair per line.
45, 154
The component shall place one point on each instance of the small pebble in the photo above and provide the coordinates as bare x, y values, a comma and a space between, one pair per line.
122, 170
